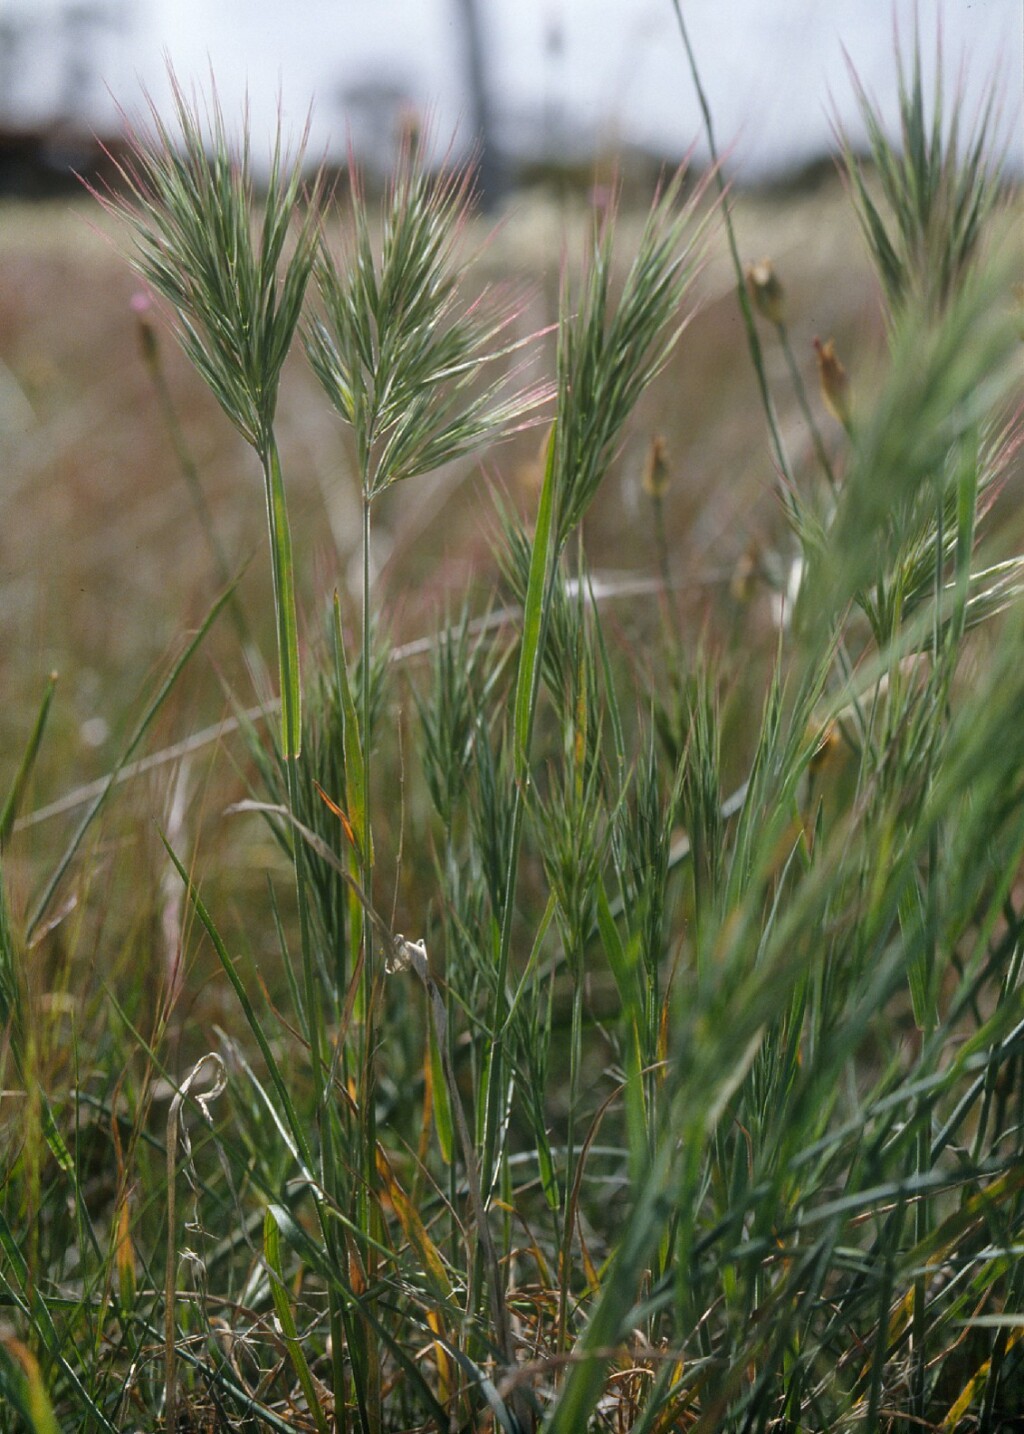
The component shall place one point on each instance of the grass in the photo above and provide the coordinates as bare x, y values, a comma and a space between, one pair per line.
690, 1097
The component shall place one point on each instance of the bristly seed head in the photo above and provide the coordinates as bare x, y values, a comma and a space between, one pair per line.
190, 204
939, 185
610, 349
401, 355
203, 244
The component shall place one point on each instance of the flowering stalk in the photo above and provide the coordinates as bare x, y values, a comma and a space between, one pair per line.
407, 365
235, 299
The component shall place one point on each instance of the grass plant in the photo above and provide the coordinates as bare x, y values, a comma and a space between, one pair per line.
692, 1098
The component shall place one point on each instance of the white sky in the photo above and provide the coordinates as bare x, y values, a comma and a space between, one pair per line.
617, 70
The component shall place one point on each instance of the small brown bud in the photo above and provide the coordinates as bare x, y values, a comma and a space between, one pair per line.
141, 307
835, 383
656, 474
147, 342
745, 574
766, 292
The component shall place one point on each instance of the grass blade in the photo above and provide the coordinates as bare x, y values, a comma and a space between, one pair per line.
12, 805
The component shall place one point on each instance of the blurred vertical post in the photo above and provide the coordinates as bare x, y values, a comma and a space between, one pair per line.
12, 34
82, 26
490, 170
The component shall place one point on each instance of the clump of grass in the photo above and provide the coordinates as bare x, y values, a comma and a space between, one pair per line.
677, 1108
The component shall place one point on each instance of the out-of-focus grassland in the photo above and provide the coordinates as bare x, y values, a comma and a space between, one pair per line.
104, 568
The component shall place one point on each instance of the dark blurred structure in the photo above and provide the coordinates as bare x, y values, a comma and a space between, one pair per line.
46, 158
379, 111
491, 177
52, 160
375, 112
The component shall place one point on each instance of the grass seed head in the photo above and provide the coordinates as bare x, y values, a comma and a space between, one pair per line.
610, 351
925, 209
416, 370
202, 244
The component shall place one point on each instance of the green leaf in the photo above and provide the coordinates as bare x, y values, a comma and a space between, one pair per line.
22, 1380
21, 778
442, 1109
282, 1304
621, 959
355, 767
531, 651
284, 598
